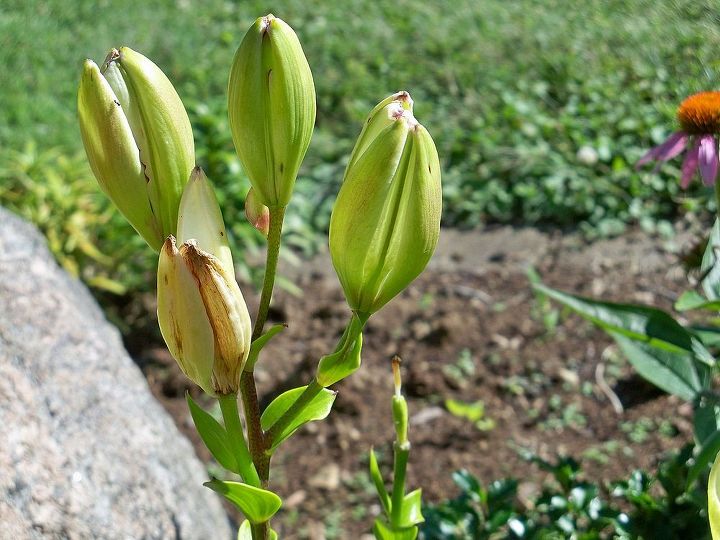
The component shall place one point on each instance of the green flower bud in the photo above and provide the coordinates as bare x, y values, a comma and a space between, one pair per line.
201, 310
138, 140
386, 220
271, 105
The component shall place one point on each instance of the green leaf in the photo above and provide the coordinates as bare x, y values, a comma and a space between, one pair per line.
673, 372
257, 504
383, 531
411, 513
317, 409
706, 418
714, 499
693, 300
709, 267
338, 365
708, 335
640, 323
245, 532
470, 411
214, 436
379, 482
259, 343
710, 449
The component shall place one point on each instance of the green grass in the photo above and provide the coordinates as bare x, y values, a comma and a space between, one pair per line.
511, 91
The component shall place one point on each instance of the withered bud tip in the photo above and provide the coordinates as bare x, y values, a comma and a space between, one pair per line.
396, 361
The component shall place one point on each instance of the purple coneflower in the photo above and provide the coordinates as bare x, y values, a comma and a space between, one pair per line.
699, 117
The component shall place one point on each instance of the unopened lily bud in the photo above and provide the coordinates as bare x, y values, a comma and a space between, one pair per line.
257, 213
200, 219
202, 313
386, 220
271, 105
138, 140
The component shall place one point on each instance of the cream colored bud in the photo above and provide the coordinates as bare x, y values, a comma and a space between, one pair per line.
227, 313
200, 219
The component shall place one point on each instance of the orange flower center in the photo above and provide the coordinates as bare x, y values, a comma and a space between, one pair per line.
700, 113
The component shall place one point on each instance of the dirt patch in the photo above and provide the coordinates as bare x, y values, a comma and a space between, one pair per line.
469, 329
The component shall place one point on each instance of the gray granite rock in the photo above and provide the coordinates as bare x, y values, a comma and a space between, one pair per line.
85, 450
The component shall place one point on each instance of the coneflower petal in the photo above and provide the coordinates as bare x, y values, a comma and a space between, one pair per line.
690, 164
708, 159
672, 146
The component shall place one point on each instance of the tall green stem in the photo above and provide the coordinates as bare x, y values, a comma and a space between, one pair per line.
273, 251
402, 452
231, 417
248, 390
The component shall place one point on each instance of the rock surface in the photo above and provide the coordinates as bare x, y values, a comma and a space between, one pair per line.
85, 451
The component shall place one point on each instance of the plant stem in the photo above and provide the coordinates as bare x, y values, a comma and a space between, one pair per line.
273, 251
248, 390
402, 452
260, 531
256, 437
231, 417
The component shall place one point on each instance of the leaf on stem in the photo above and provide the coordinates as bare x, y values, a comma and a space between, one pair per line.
383, 531
338, 365
317, 409
660, 349
259, 343
214, 436
690, 300
411, 513
675, 373
379, 482
257, 504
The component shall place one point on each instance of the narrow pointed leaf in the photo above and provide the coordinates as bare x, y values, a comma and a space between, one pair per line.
214, 436
690, 300
257, 504
674, 372
641, 323
317, 409
379, 482
259, 343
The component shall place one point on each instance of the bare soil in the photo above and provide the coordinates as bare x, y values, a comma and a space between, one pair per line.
468, 329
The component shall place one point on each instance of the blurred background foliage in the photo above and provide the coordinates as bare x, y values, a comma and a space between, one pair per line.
538, 109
